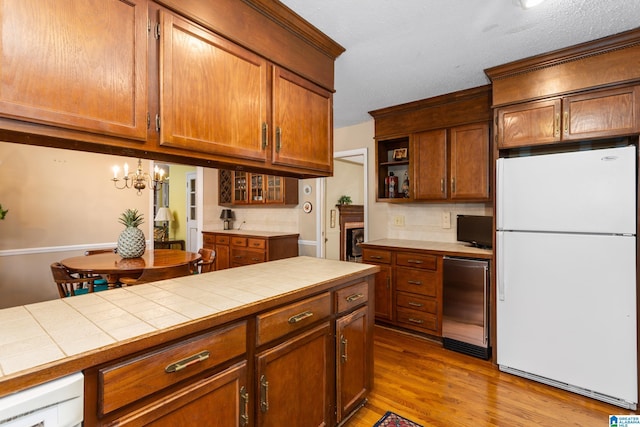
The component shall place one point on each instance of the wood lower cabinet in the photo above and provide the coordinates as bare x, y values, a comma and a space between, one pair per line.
414, 300
308, 362
351, 361
237, 249
383, 287
294, 381
590, 115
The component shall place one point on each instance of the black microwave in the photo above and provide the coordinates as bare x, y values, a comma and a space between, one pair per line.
476, 230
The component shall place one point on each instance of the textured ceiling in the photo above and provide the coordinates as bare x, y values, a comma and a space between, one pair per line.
399, 51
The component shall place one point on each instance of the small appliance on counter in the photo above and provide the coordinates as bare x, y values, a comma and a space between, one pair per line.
476, 230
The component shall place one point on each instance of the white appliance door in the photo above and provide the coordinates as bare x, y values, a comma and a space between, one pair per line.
590, 191
566, 309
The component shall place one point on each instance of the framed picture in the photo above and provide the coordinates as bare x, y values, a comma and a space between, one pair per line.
400, 154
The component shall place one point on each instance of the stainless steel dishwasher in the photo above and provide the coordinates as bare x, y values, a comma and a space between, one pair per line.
465, 314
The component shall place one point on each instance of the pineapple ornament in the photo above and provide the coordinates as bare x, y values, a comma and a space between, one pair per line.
131, 242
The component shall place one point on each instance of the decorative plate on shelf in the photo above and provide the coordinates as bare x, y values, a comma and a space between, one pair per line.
307, 207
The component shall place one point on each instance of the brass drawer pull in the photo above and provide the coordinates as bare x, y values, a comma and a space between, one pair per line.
264, 394
415, 261
414, 282
418, 321
375, 257
354, 297
244, 407
343, 350
415, 304
299, 317
184, 363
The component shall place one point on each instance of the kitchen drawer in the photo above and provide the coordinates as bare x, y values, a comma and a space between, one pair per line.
417, 319
208, 239
256, 243
351, 296
239, 241
376, 255
140, 376
423, 282
407, 259
222, 240
279, 322
417, 302
246, 256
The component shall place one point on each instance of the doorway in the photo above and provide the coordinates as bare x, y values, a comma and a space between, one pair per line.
350, 179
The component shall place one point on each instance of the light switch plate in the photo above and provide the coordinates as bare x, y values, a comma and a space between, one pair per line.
398, 220
446, 219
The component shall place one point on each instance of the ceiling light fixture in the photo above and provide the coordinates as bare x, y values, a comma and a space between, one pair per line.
138, 179
528, 4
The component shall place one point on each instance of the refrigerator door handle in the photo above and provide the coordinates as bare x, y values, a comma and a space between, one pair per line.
500, 262
499, 192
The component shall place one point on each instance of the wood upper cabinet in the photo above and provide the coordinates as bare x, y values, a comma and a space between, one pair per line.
469, 148
452, 164
302, 129
244, 188
430, 165
213, 93
60, 67
590, 115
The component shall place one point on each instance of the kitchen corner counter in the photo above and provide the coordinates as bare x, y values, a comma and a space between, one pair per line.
442, 248
44, 341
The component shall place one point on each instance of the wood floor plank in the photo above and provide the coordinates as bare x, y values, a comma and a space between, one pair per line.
418, 379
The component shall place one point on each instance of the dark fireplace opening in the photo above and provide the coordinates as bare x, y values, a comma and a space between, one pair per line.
354, 236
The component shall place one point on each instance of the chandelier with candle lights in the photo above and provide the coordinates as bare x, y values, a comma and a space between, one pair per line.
138, 179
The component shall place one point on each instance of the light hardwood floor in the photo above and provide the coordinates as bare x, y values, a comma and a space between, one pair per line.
420, 380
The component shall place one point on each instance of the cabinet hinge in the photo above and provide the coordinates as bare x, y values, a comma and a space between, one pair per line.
157, 122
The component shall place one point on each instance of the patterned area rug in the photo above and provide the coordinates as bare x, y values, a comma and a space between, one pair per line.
391, 419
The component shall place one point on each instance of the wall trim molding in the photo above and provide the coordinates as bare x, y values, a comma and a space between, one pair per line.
65, 248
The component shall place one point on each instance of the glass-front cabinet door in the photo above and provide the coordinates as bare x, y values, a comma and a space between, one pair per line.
274, 189
240, 189
257, 189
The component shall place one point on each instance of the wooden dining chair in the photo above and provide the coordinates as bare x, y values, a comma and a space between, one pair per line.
156, 274
99, 279
205, 263
69, 285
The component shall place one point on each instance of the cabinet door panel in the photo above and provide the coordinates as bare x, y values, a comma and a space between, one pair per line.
430, 165
383, 293
604, 113
531, 123
213, 93
302, 123
470, 162
293, 381
191, 406
59, 64
351, 361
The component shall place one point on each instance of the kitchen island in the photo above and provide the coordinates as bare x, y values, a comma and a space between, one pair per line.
240, 338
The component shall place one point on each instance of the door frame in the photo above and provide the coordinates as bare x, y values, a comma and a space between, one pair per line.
321, 218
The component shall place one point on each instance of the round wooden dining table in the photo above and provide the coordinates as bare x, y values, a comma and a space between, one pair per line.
113, 266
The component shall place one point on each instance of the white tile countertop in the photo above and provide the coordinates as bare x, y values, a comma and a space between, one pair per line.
37, 336
445, 248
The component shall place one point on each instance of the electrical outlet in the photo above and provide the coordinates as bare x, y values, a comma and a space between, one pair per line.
398, 220
446, 219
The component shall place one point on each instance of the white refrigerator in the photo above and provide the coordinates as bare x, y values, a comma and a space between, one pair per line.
566, 271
